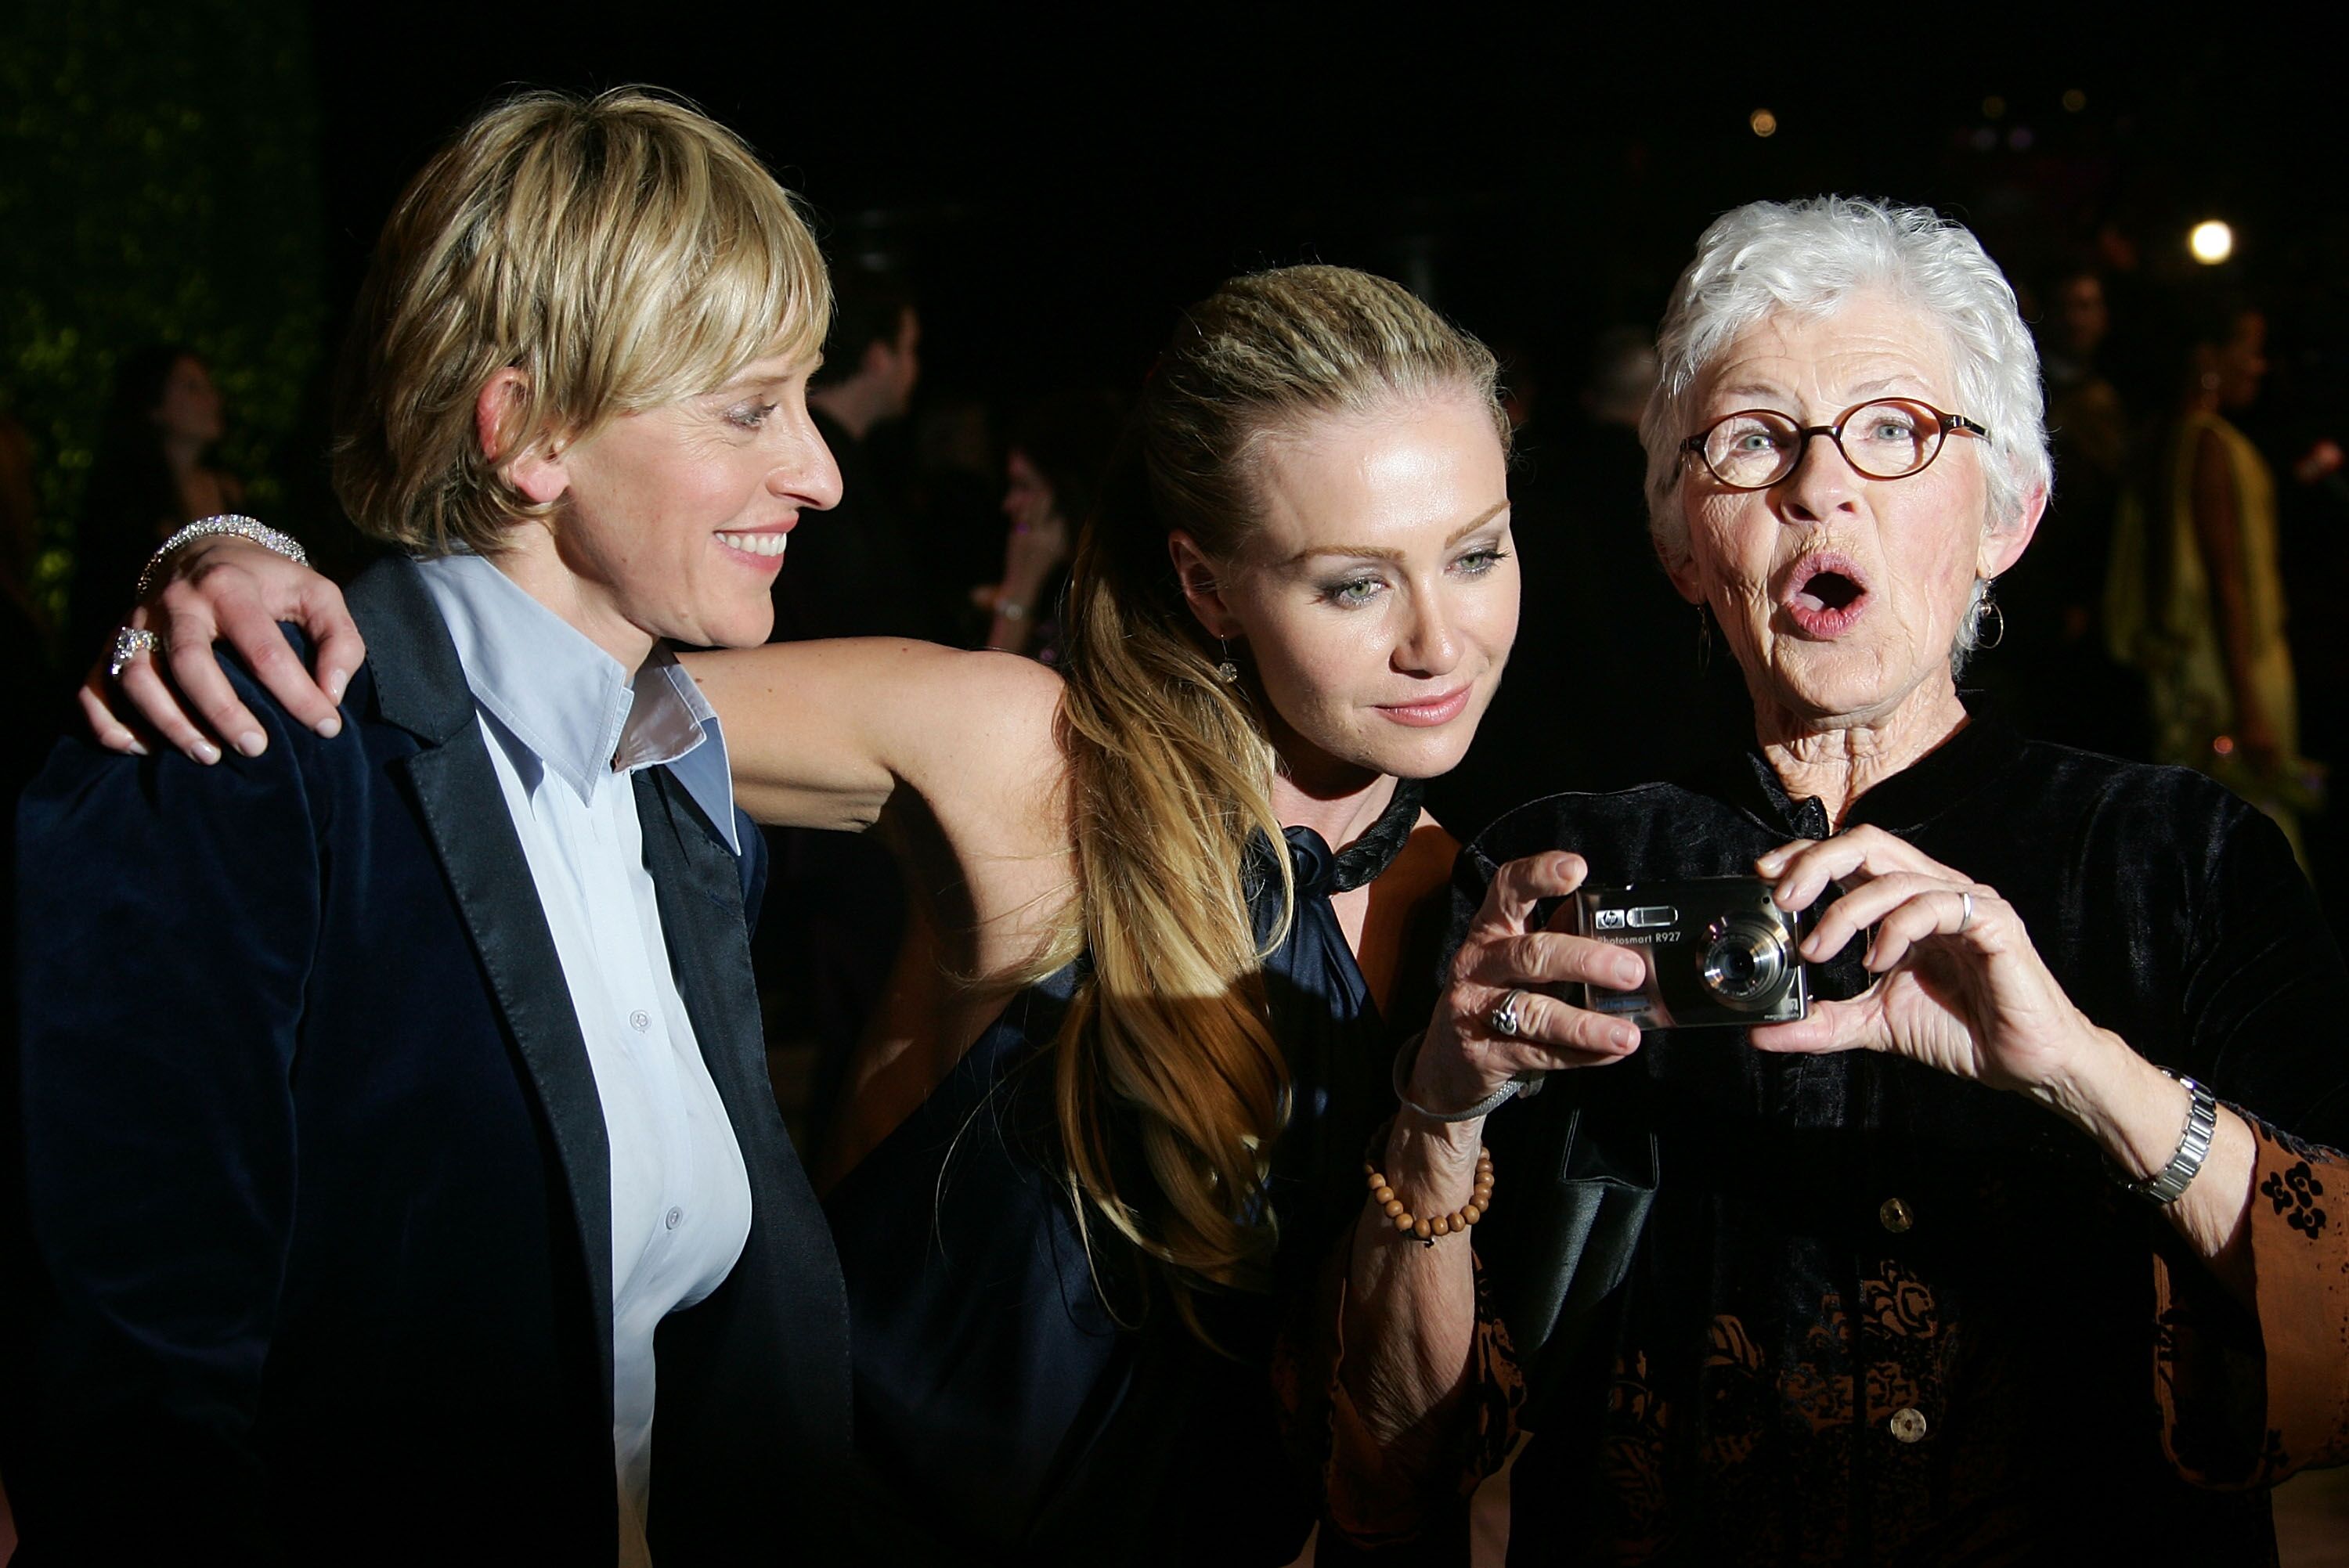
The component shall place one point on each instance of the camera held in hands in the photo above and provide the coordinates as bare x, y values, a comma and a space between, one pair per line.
1717, 950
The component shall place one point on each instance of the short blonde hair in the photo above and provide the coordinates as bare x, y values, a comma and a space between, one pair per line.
621, 252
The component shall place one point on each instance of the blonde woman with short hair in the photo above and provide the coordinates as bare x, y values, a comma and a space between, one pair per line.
399, 1147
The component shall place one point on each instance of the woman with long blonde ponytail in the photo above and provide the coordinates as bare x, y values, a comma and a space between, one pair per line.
1173, 768
1112, 1118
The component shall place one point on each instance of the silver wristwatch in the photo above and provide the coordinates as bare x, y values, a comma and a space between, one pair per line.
2163, 1187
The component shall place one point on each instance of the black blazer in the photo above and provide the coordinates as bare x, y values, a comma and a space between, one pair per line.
319, 1180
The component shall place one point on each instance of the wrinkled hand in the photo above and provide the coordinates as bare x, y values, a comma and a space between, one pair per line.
226, 589
1971, 997
1462, 1060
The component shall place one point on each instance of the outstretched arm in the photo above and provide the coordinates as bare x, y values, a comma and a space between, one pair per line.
821, 735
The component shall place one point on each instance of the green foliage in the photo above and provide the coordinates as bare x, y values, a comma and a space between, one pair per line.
158, 183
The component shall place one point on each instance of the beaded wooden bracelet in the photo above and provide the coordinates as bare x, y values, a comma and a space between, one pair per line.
1480, 1198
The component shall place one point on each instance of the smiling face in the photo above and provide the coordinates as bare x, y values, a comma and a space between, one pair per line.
1841, 595
674, 520
1376, 596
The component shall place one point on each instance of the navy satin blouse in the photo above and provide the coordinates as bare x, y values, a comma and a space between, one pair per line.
1028, 1403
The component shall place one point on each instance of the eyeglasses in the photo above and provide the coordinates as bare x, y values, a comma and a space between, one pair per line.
1892, 438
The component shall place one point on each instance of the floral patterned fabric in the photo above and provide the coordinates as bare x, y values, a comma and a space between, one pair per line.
2244, 1403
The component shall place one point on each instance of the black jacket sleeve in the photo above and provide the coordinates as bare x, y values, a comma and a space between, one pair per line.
170, 915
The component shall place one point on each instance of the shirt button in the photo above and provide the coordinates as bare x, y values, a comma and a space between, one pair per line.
1908, 1424
640, 1021
675, 1217
1895, 1215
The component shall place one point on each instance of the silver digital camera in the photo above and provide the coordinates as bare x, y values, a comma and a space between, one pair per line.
1717, 950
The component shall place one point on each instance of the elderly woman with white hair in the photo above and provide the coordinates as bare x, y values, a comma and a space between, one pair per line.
2009, 1247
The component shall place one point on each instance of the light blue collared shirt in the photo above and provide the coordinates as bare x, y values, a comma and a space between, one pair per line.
565, 730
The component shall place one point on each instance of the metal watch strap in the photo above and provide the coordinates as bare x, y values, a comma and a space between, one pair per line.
2163, 1187
1525, 1085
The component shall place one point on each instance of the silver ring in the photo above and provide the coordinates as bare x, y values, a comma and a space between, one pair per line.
1505, 1020
1966, 919
129, 641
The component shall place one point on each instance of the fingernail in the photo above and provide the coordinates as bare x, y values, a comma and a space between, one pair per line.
1626, 1037
331, 726
1628, 975
336, 681
137, 749
205, 752
251, 743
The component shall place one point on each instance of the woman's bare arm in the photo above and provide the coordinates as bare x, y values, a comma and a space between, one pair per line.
831, 734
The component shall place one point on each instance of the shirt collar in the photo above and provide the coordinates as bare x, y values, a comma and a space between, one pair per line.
568, 702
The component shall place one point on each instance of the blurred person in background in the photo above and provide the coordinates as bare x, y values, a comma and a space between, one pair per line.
1052, 474
853, 573
2050, 671
954, 505
2196, 597
153, 473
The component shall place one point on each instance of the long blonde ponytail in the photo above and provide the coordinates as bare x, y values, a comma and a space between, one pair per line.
1169, 1085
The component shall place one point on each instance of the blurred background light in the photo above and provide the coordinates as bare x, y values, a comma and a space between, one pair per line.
2212, 243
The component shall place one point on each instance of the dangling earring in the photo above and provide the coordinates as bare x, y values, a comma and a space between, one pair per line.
1986, 609
1228, 672
1703, 638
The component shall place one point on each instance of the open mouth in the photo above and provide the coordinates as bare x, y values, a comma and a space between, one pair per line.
1825, 595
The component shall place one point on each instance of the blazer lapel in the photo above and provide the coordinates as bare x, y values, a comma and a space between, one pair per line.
421, 687
700, 886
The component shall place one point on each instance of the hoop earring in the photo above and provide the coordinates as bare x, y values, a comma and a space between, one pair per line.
1987, 610
1228, 672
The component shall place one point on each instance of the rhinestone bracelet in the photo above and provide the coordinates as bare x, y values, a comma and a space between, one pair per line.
244, 527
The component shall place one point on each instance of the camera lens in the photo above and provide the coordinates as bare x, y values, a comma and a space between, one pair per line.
1744, 961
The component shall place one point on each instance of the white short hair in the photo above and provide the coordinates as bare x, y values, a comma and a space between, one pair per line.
1812, 256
